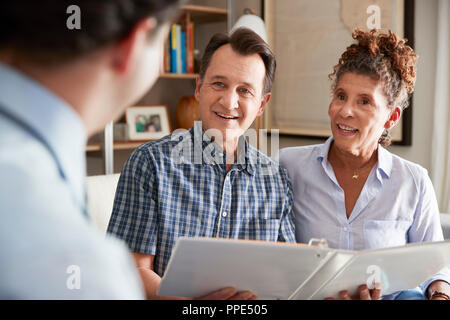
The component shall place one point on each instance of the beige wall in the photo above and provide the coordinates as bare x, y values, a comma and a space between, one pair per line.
423, 100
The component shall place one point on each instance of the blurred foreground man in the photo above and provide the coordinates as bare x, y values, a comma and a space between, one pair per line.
65, 72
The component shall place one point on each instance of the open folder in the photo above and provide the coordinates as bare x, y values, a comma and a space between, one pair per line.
275, 270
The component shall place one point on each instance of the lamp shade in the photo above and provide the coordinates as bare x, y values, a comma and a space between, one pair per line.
252, 22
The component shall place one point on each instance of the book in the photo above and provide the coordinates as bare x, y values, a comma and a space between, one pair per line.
183, 51
190, 47
178, 48
173, 48
274, 270
167, 55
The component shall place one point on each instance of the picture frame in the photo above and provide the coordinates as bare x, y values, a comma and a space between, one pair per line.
147, 122
307, 47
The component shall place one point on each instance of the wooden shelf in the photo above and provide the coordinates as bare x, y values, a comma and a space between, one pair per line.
118, 145
178, 75
204, 14
93, 147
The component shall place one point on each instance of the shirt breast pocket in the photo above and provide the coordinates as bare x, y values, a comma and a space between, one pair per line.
385, 233
259, 229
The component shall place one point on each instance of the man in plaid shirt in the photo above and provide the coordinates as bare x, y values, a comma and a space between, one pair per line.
208, 181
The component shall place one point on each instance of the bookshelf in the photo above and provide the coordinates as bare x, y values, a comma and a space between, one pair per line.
205, 14
118, 145
208, 17
168, 75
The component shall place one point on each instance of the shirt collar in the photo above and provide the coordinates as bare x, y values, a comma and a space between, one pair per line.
324, 149
50, 119
384, 163
246, 156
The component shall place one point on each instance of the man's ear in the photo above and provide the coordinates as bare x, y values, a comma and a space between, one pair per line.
198, 84
394, 118
126, 50
264, 101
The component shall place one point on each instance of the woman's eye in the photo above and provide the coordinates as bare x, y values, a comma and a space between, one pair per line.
340, 96
365, 101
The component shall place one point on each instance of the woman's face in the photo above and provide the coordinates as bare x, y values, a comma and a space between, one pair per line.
359, 113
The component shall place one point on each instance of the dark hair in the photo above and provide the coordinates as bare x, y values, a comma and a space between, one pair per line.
245, 42
37, 29
383, 57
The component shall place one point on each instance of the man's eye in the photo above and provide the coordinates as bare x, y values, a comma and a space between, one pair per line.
244, 91
218, 84
365, 101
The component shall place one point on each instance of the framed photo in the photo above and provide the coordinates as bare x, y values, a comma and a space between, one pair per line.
308, 38
147, 122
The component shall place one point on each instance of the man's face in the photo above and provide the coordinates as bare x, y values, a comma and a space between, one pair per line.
231, 94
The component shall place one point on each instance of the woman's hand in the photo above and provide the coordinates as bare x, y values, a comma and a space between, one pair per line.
440, 286
364, 293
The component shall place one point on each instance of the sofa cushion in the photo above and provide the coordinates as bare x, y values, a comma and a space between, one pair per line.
445, 222
101, 190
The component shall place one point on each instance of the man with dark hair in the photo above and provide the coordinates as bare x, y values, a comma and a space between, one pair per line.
187, 184
57, 87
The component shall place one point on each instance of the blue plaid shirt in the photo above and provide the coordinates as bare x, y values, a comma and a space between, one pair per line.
163, 194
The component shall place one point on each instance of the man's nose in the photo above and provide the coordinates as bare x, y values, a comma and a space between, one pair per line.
230, 99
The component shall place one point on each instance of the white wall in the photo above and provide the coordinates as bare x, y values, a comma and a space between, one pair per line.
423, 99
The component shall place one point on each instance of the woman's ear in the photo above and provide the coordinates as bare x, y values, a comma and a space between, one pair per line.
393, 118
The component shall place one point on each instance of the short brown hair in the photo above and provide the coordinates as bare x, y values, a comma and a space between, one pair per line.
383, 57
245, 42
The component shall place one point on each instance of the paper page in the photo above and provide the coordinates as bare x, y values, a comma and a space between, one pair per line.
271, 270
397, 268
322, 275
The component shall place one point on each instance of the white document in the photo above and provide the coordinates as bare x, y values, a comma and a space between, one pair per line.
274, 270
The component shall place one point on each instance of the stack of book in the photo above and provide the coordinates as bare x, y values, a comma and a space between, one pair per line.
179, 49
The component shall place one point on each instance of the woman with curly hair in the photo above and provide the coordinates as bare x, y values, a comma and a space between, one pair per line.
351, 190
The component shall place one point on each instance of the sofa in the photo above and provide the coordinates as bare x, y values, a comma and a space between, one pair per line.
101, 190
445, 222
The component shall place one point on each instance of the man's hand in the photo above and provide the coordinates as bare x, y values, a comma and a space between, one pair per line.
364, 293
229, 293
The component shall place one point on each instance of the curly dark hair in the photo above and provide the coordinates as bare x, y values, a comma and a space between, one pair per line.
383, 57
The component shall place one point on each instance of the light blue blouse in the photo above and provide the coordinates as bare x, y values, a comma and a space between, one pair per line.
397, 204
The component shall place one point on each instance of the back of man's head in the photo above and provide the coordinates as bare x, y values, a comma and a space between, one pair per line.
47, 31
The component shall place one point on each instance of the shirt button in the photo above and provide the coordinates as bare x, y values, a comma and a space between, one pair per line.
224, 214
345, 229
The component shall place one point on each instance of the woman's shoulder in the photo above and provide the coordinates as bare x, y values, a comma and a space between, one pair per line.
408, 166
298, 155
405, 169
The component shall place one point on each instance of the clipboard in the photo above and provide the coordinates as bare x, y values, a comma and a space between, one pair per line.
275, 270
